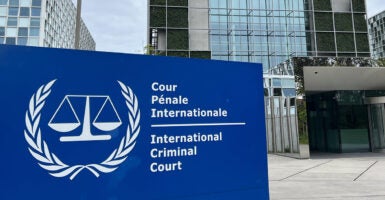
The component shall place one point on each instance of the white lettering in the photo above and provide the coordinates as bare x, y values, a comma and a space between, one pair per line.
167, 167
163, 87
169, 100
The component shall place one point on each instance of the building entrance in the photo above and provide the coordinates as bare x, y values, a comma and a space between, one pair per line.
376, 122
338, 122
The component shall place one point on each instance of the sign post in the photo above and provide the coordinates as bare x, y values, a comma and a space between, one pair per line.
91, 125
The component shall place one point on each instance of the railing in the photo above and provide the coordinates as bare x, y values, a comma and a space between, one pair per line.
282, 125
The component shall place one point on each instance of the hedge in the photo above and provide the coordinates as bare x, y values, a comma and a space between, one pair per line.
158, 17
345, 42
362, 42
177, 39
178, 53
343, 22
325, 42
323, 5
323, 21
177, 17
358, 5
158, 2
360, 23
177, 3
200, 54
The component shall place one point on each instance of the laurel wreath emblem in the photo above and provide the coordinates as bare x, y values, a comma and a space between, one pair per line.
57, 168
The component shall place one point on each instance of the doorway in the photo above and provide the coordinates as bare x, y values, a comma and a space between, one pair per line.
376, 125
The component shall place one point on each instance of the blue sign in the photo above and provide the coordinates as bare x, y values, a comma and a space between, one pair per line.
92, 125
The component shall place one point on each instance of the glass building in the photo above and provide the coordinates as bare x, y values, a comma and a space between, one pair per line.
268, 32
46, 23
376, 35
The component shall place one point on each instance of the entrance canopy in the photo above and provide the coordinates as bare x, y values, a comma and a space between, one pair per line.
322, 79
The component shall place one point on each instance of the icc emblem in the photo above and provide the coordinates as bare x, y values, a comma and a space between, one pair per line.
53, 164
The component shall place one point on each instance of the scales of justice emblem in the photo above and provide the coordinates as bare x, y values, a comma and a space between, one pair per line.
86, 135
68, 118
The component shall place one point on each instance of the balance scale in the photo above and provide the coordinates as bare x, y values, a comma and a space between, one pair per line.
86, 134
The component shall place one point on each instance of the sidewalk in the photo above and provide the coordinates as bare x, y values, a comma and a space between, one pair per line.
357, 176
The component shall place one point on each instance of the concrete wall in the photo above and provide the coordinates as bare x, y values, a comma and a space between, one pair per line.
199, 25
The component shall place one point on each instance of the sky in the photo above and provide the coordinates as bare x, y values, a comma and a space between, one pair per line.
374, 7
121, 25
117, 25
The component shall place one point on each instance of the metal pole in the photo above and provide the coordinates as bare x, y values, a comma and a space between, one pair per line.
78, 20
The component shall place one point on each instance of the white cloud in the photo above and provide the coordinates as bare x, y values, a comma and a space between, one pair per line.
117, 25
374, 7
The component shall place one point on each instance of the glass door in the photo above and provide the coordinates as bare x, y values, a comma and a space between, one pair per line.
376, 116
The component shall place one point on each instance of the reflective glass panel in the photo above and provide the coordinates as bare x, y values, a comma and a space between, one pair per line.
34, 31
11, 32
2, 21
36, 2
353, 123
14, 2
24, 11
35, 12
3, 11
35, 21
23, 32
23, 22
277, 82
10, 41
33, 41
22, 40
13, 11
25, 3
12, 21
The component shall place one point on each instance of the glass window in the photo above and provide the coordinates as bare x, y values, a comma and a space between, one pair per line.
289, 92
12, 21
3, 2
2, 31
222, 4
36, 2
25, 3
11, 32
35, 21
34, 31
3, 11
214, 3
33, 41
1, 40
14, 2
24, 22
277, 82
23, 32
2, 21
10, 41
35, 12
22, 40
14, 11
288, 83
277, 91
24, 11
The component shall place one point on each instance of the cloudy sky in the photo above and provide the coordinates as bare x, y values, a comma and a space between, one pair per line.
120, 25
117, 25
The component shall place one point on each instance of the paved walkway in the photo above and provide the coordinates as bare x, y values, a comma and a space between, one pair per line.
328, 177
